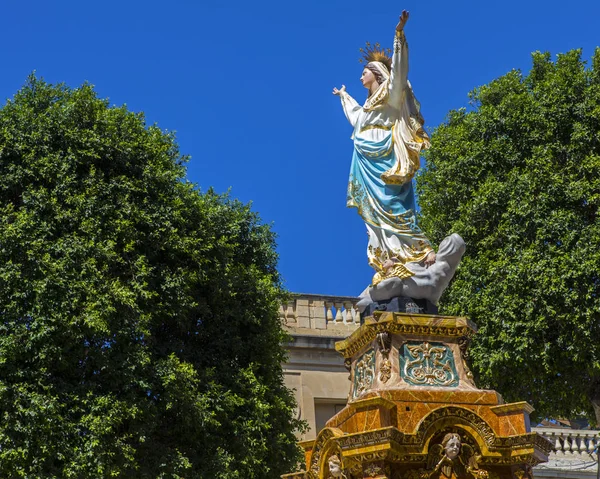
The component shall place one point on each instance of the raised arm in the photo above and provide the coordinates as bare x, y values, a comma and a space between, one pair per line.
399, 73
349, 104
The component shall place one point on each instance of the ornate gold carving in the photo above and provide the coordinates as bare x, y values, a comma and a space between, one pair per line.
325, 435
461, 415
399, 270
385, 370
315, 458
497, 444
524, 472
451, 327
427, 367
374, 469
378, 256
452, 459
395, 456
530, 439
464, 416
353, 467
463, 345
364, 373
380, 436
384, 341
335, 467
373, 456
510, 460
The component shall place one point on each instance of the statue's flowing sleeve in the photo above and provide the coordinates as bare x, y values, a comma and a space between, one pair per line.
409, 136
351, 108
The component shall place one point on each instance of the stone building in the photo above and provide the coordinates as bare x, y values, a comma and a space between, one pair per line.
316, 372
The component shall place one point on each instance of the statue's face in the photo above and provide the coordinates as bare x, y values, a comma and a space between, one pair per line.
334, 467
367, 78
452, 448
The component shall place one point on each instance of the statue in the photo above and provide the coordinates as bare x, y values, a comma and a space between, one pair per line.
457, 461
335, 467
388, 140
427, 282
450, 460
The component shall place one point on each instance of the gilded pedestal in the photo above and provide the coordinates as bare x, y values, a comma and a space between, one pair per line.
414, 411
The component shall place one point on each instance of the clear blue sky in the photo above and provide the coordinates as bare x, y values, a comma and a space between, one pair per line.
247, 87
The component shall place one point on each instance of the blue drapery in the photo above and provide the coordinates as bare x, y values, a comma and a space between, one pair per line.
391, 207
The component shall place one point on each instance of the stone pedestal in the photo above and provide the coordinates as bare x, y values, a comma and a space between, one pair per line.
411, 396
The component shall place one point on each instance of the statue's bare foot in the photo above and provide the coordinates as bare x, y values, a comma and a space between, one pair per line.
430, 259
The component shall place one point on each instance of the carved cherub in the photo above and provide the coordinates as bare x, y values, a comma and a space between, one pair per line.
335, 467
453, 460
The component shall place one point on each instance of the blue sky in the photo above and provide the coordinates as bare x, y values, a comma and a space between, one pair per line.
247, 87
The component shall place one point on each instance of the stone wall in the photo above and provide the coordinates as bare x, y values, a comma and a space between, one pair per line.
315, 370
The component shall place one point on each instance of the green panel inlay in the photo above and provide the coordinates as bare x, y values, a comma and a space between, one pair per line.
428, 364
364, 373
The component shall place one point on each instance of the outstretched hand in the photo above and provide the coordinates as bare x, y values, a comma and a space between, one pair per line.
402, 21
338, 92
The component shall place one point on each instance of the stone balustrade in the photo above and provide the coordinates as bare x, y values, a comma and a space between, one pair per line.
319, 312
575, 453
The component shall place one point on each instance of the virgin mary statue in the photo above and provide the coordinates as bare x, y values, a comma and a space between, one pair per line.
388, 139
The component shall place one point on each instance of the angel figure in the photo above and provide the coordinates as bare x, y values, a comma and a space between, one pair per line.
453, 460
335, 467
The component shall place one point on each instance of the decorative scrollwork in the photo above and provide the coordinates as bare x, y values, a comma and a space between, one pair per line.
385, 371
384, 341
432, 364
393, 323
318, 446
373, 469
364, 373
370, 438
461, 415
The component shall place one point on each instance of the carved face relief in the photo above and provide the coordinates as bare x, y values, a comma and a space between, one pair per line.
452, 447
335, 466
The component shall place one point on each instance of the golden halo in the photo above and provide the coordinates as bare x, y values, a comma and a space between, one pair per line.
374, 53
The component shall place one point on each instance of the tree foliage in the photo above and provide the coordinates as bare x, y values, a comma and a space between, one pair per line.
518, 177
139, 332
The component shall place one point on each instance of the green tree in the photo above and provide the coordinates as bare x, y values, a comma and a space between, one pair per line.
139, 331
517, 175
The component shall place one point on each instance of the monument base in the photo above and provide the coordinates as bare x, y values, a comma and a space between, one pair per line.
415, 412
400, 304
